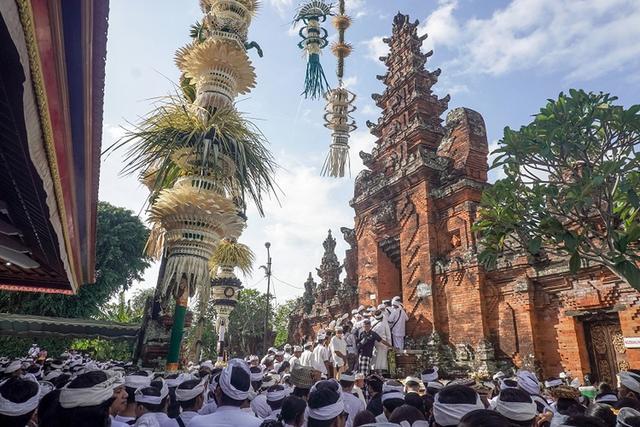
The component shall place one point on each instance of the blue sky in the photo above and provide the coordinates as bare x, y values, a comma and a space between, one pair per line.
500, 58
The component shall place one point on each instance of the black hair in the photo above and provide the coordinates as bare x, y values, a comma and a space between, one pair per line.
302, 393
605, 388
415, 400
627, 402
155, 392
406, 413
173, 408
603, 412
515, 395
18, 390
326, 393
48, 410
284, 366
391, 404
584, 421
188, 385
432, 390
346, 384
375, 385
157, 383
61, 380
569, 407
484, 418
458, 394
363, 417
292, 408
241, 381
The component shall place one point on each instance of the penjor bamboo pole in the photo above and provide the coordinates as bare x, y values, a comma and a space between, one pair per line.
177, 329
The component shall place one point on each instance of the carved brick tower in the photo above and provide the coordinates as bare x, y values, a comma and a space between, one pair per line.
416, 202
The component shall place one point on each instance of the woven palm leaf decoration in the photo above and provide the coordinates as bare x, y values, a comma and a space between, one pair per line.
314, 39
340, 104
200, 157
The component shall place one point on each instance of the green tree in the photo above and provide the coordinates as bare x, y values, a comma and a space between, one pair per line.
572, 187
281, 323
124, 311
120, 261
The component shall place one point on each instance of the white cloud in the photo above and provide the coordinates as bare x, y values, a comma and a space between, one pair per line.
584, 39
370, 110
376, 48
361, 140
281, 6
350, 81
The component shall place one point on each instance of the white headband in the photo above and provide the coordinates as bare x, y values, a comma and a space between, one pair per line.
153, 400
447, 414
175, 382
528, 382
386, 388
609, 397
13, 366
256, 376
137, 381
435, 384
392, 395
276, 395
553, 383
90, 396
51, 375
430, 377
184, 395
624, 415
328, 412
517, 411
630, 381
13, 409
347, 377
225, 380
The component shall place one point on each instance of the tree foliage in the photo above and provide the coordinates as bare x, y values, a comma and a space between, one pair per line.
123, 311
121, 237
281, 323
572, 186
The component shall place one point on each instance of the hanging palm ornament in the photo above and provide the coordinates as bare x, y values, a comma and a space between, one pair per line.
314, 39
340, 104
200, 157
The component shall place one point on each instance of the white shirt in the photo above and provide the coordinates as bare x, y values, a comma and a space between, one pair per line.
398, 317
165, 421
293, 361
208, 408
226, 416
187, 416
288, 356
352, 405
339, 344
124, 420
260, 407
320, 355
350, 339
116, 423
307, 358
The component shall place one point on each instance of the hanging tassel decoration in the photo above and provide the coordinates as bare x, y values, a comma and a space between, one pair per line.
340, 105
314, 39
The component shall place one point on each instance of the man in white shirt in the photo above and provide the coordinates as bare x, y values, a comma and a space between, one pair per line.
338, 348
190, 397
352, 352
306, 359
294, 360
352, 404
322, 355
232, 392
287, 352
397, 322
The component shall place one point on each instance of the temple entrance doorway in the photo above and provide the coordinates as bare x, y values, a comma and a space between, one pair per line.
607, 354
389, 269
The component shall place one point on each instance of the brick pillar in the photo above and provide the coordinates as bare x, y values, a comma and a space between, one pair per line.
525, 317
416, 229
367, 263
572, 346
630, 325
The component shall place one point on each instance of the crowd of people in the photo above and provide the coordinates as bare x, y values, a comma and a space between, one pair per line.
75, 391
340, 379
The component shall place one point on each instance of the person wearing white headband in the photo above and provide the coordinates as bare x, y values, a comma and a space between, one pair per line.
392, 398
120, 399
454, 402
88, 397
232, 392
412, 385
517, 406
294, 360
14, 369
19, 399
397, 322
325, 405
190, 397
151, 404
210, 404
338, 347
275, 397
629, 385
132, 382
322, 355
352, 404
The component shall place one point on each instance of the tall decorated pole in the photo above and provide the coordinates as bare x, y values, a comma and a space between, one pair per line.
201, 158
340, 103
